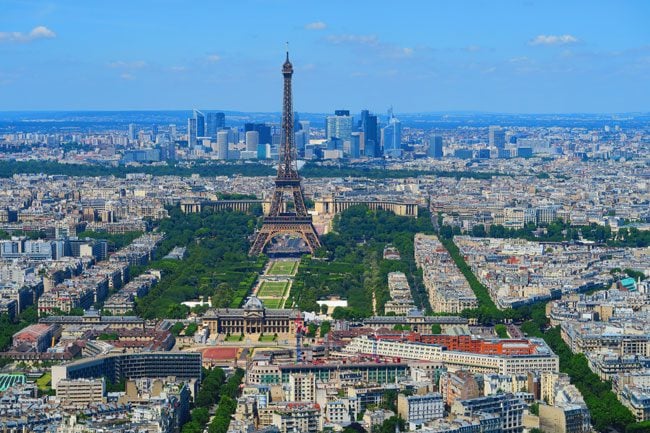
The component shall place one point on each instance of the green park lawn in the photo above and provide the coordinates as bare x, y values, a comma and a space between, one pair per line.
283, 268
273, 289
272, 303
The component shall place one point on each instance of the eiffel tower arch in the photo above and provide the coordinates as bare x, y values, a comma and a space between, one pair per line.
287, 184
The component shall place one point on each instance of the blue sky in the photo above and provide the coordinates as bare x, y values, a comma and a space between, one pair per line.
494, 56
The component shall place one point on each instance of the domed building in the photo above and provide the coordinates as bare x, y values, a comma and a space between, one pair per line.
253, 318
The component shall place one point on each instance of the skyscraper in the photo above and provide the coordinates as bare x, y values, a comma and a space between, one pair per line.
222, 144
392, 136
435, 146
369, 129
191, 132
133, 135
262, 129
252, 140
200, 123
301, 141
355, 145
339, 126
305, 126
215, 122
497, 137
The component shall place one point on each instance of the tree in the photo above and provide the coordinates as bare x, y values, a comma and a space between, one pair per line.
325, 328
501, 330
479, 231
392, 424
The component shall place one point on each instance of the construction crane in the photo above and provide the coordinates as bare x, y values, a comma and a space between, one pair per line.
300, 330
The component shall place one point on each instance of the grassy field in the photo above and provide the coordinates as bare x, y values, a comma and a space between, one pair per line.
272, 289
44, 382
237, 337
267, 338
283, 268
272, 303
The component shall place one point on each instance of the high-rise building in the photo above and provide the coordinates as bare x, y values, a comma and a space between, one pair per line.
355, 145
305, 126
297, 126
370, 134
301, 141
435, 146
497, 137
133, 134
215, 122
191, 132
200, 123
222, 144
252, 140
392, 138
339, 126
172, 131
262, 129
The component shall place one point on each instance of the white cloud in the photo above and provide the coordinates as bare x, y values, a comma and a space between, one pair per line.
316, 25
213, 58
178, 68
553, 40
40, 32
136, 64
126, 76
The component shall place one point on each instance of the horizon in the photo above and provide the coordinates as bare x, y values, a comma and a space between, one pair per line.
352, 112
515, 57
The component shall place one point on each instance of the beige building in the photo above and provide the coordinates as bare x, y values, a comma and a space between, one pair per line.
302, 387
81, 392
331, 206
253, 318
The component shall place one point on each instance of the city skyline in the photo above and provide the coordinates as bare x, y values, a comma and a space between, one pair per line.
513, 57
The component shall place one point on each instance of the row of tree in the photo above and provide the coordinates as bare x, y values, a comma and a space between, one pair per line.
9, 167
605, 408
350, 264
216, 263
227, 403
115, 241
318, 170
206, 397
210, 169
559, 231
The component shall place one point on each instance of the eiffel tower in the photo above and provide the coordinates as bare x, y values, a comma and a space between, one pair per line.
288, 182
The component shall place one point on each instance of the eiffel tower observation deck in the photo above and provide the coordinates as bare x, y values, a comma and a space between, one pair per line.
288, 186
